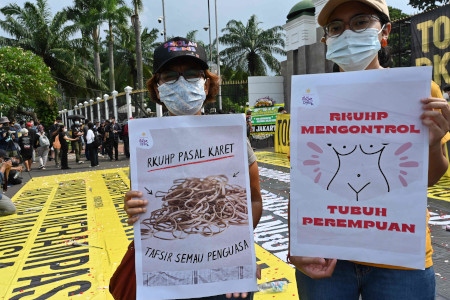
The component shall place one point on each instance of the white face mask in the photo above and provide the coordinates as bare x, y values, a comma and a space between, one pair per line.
354, 51
446, 96
65, 129
77, 123
183, 97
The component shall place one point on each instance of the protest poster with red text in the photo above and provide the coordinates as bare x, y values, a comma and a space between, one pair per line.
359, 161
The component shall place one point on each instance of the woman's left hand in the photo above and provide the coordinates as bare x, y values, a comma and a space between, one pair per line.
436, 117
134, 205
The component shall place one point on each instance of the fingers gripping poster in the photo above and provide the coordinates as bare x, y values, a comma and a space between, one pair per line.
196, 238
359, 161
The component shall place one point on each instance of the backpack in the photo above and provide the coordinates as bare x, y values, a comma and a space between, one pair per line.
97, 139
43, 140
56, 143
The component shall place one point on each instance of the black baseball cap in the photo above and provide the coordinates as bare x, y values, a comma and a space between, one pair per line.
178, 47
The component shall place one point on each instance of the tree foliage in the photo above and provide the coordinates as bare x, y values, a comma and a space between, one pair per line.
80, 58
251, 48
400, 38
395, 13
32, 27
26, 85
125, 55
427, 4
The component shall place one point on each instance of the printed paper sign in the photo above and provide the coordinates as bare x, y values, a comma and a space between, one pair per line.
359, 161
196, 238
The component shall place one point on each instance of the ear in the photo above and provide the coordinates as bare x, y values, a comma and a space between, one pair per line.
386, 30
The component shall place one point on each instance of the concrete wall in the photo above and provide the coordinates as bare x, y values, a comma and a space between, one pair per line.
263, 86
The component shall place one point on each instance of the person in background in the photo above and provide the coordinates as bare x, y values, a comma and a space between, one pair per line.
91, 146
115, 132
182, 83
356, 34
85, 130
15, 172
43, 147
101, 132
4, 133
5, 169
56, 147
446, 93
53, 128
63, 139
248, 120
26, 149
282, 110
15, 136
108, 139
77, 145
32, 134
126, 140
7, 207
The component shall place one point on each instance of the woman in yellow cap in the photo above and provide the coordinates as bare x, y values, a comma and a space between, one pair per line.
356, 34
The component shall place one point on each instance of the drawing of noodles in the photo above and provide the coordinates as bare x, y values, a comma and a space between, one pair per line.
197, 206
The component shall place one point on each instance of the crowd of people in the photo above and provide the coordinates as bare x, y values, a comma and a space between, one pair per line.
26, 143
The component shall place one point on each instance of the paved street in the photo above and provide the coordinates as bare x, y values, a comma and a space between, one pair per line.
110, 181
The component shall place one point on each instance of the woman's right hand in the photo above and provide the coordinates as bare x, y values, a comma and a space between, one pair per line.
134, 205
314, 267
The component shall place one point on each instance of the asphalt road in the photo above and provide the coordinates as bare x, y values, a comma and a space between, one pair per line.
272, 233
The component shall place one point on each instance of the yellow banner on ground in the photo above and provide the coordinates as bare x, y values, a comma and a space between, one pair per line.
70, 234
67, 238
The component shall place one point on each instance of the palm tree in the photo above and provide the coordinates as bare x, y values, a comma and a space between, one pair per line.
116, 15
125, 54
87, 16
138, 6
252, 48
34, 28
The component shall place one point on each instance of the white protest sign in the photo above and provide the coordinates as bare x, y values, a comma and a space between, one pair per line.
359, 162
196, 238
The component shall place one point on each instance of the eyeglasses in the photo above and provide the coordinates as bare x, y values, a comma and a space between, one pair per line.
190, 76
357, 24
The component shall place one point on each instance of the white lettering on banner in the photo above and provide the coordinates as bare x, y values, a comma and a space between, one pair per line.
275, 174
272, 232
264, 128
436, 219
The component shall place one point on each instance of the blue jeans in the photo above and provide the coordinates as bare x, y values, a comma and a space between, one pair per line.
350, 280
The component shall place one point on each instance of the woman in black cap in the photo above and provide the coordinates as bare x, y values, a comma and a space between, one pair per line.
183, 84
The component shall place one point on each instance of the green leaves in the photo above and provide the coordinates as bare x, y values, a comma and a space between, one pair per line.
427, 4
24, 78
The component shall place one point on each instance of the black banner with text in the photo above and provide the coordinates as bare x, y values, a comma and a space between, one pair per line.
431, 42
